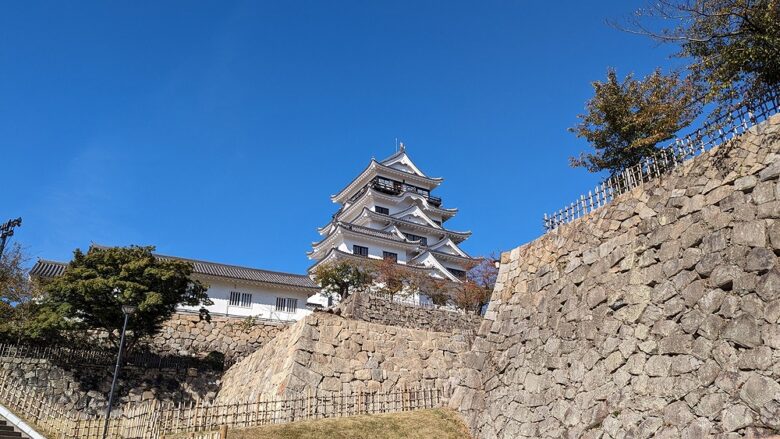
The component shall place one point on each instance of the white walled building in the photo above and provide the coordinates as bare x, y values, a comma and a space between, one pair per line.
388, 212
236, 291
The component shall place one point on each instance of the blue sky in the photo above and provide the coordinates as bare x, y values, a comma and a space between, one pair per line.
218, 130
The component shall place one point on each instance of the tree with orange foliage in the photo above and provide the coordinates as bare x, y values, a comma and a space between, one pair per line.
391, 278
474, 292
438, 290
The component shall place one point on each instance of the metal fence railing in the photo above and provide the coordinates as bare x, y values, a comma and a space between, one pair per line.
668, 158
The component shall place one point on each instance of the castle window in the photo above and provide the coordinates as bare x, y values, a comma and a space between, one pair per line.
390, 256
286, 304
412, 237
243, 300
382, 210
360, 250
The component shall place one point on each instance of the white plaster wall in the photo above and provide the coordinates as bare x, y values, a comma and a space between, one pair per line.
319, 299
399, 206
394, 207
263, 300
375, 250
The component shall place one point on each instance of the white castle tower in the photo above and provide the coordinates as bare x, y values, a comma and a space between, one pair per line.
388, 212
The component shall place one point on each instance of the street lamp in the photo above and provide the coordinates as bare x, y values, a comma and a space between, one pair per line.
7, 230
127, 310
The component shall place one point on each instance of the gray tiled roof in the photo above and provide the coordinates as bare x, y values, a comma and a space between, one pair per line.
462, 236
451, 256
390, 170
372, 232
45, 268
342, 254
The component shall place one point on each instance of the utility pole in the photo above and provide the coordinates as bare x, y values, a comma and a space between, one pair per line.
7, 230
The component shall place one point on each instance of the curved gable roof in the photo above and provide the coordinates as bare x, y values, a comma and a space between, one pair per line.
342, 214
427, 256
456, 236
401, 160
450, 244
415, 215
372, 170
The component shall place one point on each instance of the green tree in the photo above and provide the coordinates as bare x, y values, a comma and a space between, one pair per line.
19, 297
625, 120
343, 278
95, 285
733, 45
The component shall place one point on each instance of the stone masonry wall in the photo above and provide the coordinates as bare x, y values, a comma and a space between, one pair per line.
85, 387
377, 309
658, 315
327, 353
187, 334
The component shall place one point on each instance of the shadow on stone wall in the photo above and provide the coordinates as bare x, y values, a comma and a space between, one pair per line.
187, 334
185, 363
85, 387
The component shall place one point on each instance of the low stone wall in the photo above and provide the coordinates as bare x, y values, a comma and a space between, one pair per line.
327, 353
85, 387
379, 309
655, 316
187, 334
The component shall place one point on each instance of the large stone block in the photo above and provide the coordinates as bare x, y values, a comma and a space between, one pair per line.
752, 233
743, 331
762, 394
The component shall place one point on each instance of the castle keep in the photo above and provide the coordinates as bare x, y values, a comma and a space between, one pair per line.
388, 212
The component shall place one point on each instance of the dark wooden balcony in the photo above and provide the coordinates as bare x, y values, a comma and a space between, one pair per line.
393, 187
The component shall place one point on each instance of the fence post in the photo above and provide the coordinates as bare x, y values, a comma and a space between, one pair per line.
223, 432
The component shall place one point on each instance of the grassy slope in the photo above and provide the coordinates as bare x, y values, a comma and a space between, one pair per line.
420, 424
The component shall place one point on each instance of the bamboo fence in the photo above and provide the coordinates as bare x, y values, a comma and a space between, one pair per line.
153, 420
710, 135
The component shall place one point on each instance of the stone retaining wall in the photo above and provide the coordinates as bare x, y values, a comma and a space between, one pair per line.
656, 316
85, 387
187, 334
377, 309
327, 353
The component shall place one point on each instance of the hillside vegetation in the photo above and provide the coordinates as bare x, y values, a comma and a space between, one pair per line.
419, 424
